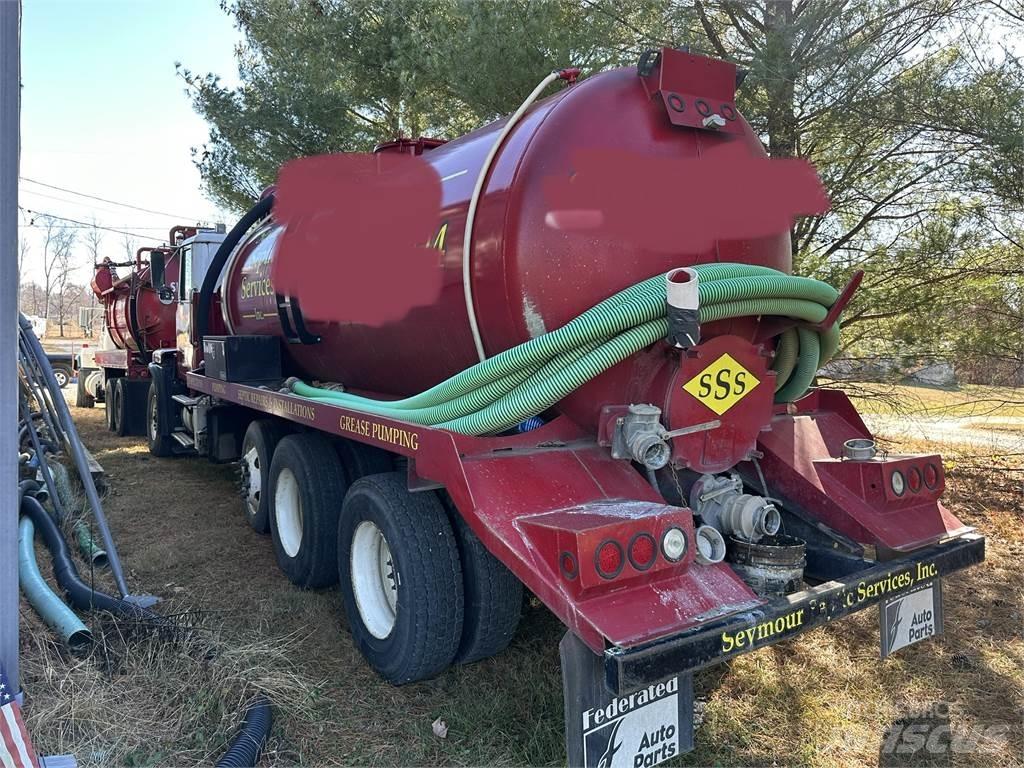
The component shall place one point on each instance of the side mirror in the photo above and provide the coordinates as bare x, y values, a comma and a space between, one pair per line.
156, 269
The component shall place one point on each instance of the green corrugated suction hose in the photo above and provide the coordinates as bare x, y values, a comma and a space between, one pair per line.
39, 594
520, 382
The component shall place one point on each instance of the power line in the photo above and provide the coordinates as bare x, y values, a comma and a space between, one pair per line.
100, 226
112, 202
87, 204
87, 224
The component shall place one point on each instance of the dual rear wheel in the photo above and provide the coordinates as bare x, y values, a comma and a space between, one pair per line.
419, 589
117, 411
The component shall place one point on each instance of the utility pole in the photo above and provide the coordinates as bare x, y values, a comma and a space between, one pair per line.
10, 121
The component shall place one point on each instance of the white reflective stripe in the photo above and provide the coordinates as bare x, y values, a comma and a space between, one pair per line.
455, 175
12, 724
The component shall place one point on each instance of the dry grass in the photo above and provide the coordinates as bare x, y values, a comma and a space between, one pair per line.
973, 400
145, 697
824, 699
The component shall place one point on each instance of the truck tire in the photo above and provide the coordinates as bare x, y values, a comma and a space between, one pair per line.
307, 484
360, 460
119, 401
94, 386
494, 597
261, 438
82, 397
401, 581
111, 401
159, 443
62, 374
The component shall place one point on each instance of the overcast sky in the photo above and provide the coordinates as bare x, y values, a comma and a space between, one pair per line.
103, 113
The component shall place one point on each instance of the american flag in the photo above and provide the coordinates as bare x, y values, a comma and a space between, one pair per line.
15, 746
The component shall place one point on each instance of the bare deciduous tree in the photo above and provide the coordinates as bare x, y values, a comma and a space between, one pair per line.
30, 298
58, 241
23, 249
93, 240
67, 300
129, 247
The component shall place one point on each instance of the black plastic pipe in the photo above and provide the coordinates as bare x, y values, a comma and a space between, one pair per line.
81, 594
77, 452
245, 748
23, 428
44, 467
35, 377
29, 487
220, 258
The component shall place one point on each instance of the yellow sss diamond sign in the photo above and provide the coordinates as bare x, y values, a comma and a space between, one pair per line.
722, 384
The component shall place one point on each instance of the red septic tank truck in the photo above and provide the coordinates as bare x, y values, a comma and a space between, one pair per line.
628, 432
139, 318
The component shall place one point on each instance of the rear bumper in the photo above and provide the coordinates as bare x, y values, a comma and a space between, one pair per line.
628, 669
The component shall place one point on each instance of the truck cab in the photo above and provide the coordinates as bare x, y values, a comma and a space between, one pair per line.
194, 257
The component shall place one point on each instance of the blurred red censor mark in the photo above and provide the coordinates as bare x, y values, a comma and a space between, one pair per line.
356, 227
683, 205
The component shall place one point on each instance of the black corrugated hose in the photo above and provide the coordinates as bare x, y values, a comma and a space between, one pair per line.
26, 487
245, 749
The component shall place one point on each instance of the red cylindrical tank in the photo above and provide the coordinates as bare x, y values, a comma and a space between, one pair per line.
137, 317
527, 277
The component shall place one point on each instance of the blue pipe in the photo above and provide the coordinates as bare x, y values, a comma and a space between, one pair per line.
39, 595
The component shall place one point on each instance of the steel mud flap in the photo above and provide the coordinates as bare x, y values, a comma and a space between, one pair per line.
630, 669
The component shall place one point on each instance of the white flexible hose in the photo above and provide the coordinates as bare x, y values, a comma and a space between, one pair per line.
467, 238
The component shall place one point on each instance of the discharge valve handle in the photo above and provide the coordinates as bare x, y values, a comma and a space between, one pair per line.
640, 436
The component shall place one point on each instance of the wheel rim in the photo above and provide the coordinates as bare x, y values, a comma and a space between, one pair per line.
288, 512
374, 579
154, 423
62, 379
253, 480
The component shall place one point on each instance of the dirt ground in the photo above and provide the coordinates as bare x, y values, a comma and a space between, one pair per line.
823, 699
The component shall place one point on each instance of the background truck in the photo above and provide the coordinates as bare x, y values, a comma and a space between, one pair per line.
139, 317
630, 433
64, 367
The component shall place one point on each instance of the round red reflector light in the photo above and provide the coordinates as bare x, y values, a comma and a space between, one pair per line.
914, 479
609, 559
642, 551
567, 564
931, 476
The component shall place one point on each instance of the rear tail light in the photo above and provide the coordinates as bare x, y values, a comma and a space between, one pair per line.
931, 476
673, 544
914, 479
898, 483
609, 559
642, 551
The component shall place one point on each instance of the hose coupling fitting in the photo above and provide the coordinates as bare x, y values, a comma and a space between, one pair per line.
639, 436
721, 503
710, 545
